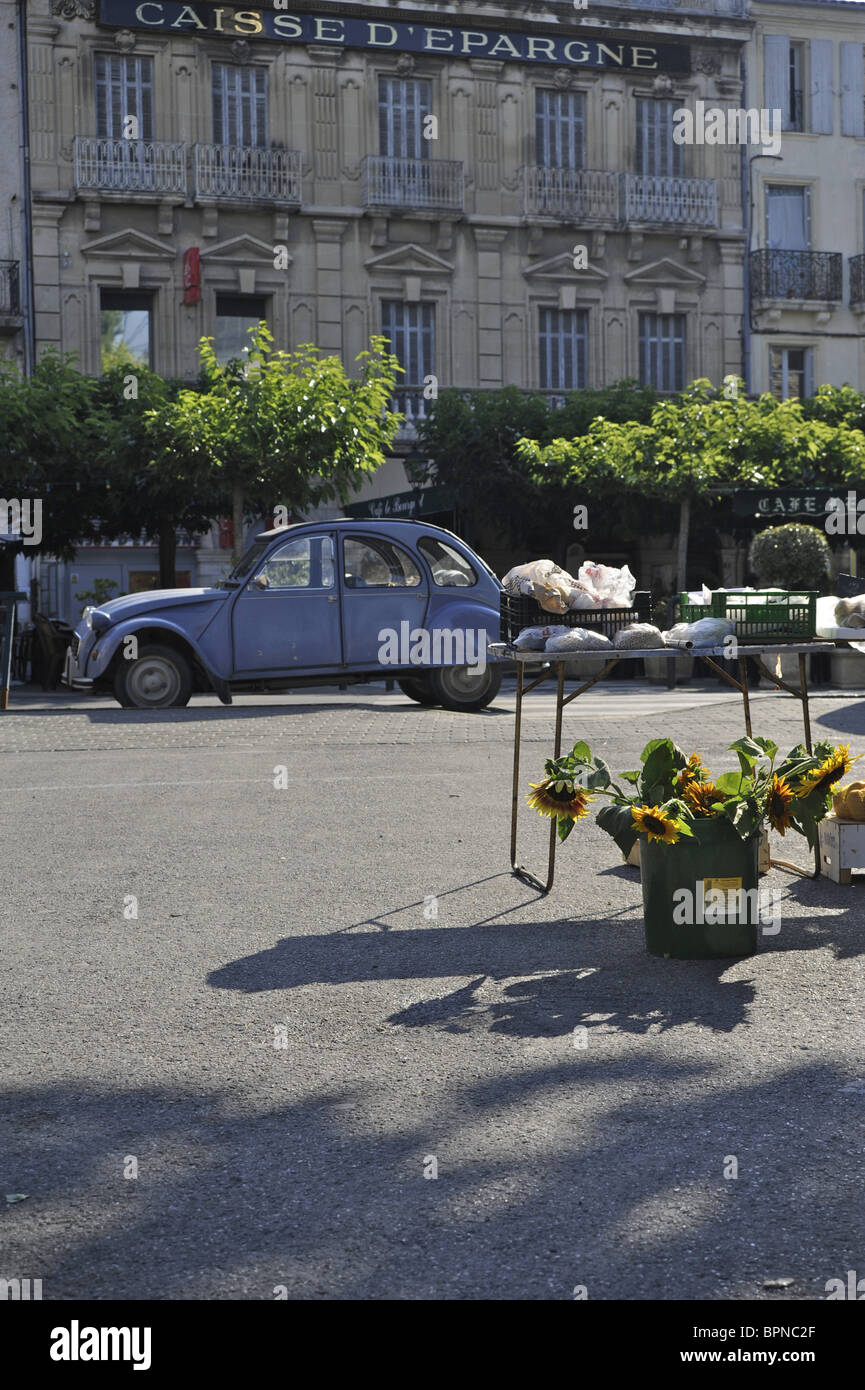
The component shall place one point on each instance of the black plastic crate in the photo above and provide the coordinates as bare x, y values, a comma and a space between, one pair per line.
520, 611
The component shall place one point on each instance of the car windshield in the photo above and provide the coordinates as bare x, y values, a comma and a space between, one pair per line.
249, 560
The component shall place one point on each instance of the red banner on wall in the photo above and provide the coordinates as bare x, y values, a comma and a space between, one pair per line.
192, 276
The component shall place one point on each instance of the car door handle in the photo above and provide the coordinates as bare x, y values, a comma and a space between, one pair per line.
331, 599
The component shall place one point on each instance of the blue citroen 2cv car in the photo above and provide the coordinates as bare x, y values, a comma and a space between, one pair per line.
336, 601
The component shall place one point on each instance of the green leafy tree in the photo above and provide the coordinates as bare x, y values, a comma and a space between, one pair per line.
701, 445
153, 490
52, 427
284, 428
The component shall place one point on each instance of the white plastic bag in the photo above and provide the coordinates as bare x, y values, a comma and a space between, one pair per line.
542, 580
705, 632
609, 587
533, 639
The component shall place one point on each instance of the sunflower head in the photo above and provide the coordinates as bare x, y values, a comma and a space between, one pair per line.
830, 771
559, 799
698, 797
695, 770
779, 799
656, 823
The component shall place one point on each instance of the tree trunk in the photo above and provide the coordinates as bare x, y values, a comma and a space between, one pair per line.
684, 529
237, 521
167, 554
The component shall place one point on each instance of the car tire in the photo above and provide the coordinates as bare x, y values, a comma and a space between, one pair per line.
158, 678
455, 687
419, 690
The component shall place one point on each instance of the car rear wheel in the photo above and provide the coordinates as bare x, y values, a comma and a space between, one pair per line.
419, 690
463, 688
158, 678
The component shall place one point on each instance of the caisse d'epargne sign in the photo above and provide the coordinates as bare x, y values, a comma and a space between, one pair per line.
566, 50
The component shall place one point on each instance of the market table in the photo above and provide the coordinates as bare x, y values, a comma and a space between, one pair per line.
556, 663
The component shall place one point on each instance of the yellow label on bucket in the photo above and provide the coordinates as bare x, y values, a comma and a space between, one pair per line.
722, 885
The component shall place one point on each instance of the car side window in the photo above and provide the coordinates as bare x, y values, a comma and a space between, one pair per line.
378, 564
304, 563
449, 569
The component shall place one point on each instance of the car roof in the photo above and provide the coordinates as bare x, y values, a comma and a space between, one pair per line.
359, 521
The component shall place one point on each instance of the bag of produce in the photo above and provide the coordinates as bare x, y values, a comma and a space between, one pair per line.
578, 639
638, 635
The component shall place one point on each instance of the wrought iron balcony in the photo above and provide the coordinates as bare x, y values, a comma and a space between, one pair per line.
247, 174
10, 299
796, 274
669, 199
582, 195
430, 185
857, 279
130, 166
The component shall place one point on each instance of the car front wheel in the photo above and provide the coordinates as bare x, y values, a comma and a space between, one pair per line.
464, 688
158, 678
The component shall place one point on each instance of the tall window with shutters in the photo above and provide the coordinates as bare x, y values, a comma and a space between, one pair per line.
662, 351
239, 106
560, 129
657, 152
562, 343
411, 331
403, 105
124, 97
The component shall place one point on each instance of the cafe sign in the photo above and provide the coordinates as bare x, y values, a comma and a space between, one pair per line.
565, 50
780, 503
406, 506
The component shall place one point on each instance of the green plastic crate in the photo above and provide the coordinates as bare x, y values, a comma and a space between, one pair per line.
789, 616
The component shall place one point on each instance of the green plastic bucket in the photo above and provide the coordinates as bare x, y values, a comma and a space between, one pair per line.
718, 859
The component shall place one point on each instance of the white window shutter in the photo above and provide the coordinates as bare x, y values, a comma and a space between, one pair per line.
776, 75
822, 96
852, 89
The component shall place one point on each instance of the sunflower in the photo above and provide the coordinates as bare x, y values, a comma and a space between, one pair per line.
823, 778
695, 770
779, 799
656, 824
559, 799
698, 797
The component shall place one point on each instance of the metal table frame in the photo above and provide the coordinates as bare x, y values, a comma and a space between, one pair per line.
555, 664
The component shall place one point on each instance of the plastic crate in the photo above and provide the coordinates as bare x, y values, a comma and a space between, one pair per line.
519, 611
789, 615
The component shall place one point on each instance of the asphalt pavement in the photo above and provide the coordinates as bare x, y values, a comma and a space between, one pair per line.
278, 1020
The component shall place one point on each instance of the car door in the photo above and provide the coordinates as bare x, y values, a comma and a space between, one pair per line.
383, 588
286, 618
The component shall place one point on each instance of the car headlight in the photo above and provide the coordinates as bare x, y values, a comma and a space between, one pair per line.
87, 614
96, 621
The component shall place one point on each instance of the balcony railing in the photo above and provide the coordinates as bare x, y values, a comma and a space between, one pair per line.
130, 166
433, 185
723, 9
670, 199
591, 195
584, 195
796, 274
10, 300
857, 279
246, 174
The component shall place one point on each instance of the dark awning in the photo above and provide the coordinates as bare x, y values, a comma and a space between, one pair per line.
422, 501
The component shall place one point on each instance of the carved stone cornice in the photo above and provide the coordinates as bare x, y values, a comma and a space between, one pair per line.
74, 9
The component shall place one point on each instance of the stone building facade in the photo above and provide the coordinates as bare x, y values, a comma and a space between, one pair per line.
499, 193
806, 267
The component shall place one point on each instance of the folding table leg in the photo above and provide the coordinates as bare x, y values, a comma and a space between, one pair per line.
518, 869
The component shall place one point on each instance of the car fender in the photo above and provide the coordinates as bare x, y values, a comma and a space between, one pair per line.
462, 615
107, 643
